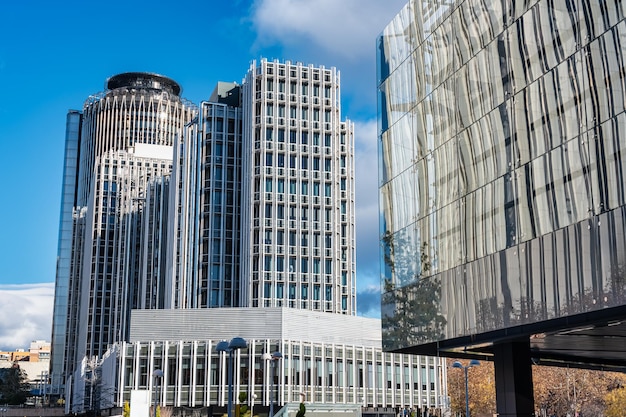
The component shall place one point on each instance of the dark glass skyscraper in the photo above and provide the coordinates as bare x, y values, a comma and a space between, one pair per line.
502, 182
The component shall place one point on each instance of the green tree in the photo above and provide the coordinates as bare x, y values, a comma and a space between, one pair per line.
13, 385
301, 411
241, 409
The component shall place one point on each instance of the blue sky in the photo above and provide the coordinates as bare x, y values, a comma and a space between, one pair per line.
53, 55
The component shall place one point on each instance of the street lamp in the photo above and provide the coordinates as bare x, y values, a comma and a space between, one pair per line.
459, 365
230, 347
273, 358
252, 400
156, 374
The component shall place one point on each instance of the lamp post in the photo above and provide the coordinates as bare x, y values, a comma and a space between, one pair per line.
252, 400
156, 374
459, 365
273, 358
230, 347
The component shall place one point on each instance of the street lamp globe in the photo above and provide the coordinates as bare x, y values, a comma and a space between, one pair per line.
459, 365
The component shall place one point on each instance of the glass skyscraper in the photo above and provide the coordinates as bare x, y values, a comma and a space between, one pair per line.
502, 182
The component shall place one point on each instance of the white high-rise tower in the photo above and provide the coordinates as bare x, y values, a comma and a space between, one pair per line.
112, 240
299, 249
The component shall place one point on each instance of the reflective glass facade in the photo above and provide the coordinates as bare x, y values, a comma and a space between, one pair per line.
501, 165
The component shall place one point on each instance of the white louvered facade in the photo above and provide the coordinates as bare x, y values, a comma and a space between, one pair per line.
332, 359
299, 199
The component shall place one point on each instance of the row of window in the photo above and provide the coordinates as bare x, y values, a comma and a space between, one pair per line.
280, 111
295, 87
296, 370
293, 135
282, 70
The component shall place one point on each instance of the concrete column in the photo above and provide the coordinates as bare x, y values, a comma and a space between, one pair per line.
514, 379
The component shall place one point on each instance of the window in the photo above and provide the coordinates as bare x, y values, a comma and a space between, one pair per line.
280, 264
281, 185
292, 291
305, 162
269, 159
281, 135
268, 185
316, 266
292, 261
304, 265
316, 188
305, 138
316, 164
267, 263
327, 139
304, 291
327, 189
292, 136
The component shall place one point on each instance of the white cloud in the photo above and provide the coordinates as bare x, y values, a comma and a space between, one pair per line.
346, 28
25, 314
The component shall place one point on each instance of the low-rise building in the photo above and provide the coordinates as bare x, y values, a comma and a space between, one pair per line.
325, 359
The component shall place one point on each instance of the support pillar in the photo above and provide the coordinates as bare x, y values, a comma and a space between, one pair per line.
514, 379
